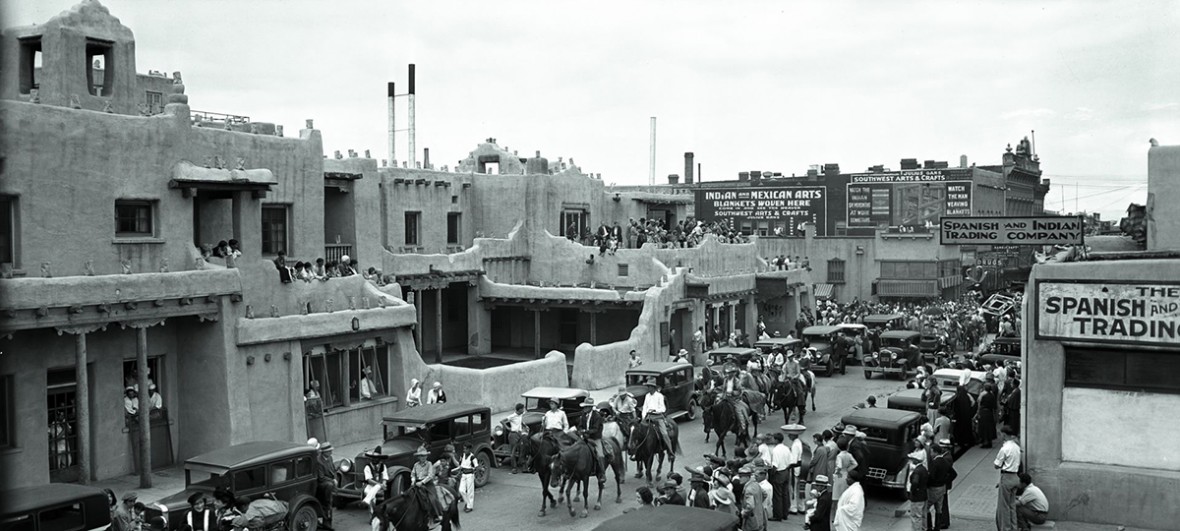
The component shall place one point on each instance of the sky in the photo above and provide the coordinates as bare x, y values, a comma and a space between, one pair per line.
747, 85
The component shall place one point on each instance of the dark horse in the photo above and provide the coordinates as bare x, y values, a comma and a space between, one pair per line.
407, 512
573, 467
721, 418
645, 445
541, 452
789, 396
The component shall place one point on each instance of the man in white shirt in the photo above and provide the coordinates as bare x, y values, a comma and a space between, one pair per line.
368, 388
555, 420
653, 412
130, 401
780, 475
376, 476
1032, 507
514, 427
1008, 463
764, 448
635, 360
154, 397
467, 464
623, 403
797, 503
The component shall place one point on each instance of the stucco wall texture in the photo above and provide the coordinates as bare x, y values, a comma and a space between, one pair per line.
1088, 477
1163, 198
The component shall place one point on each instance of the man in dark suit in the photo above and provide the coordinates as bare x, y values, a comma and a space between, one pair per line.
590, 427
917, 488
821, 518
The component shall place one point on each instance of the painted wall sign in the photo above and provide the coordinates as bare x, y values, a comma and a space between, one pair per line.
765, 207
1109, 312
908, 197
1031, 230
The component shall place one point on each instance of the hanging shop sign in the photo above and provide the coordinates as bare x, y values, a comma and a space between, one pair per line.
1030, 230
1109, 312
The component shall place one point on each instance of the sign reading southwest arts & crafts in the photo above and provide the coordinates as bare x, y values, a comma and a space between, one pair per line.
1127, 313
771, 208
1031, 230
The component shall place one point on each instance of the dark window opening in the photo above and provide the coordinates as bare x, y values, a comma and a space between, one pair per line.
275, 229
133, 218
1139, 371
836, 271
453, 227
413, 219
454, 199
154, 102
8, 230
574, 223
100, 67
624, 270
252, 478
7, 412
30, 64
61, 405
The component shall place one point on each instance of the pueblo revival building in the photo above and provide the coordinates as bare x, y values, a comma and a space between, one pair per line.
125, 337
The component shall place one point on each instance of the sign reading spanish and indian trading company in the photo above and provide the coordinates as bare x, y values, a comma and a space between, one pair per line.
775, 210
1127, 313
1032, 230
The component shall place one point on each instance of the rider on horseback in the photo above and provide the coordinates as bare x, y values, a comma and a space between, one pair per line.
623, 404
732, 389
653, 412
555, 421
423, 475
590, 428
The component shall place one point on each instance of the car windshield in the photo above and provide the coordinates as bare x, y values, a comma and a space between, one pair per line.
207, 479
894, 342
640, 379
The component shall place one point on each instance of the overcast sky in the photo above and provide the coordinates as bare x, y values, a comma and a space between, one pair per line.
774, 86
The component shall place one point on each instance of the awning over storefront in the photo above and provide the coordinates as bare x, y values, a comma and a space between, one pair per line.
921, 289
824, 291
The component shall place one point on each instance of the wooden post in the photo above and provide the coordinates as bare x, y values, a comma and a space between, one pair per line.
145, 408
82, 407
438, 322
593, 328
418, 329
537, 334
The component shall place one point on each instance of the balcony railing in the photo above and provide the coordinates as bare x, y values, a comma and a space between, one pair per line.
335, 251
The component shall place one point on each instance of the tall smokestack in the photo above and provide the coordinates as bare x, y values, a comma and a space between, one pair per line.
426, 158
651, 175
413, 147
962, 161
688, 168
390, 93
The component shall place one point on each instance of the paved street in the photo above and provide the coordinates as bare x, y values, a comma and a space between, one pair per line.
512, 501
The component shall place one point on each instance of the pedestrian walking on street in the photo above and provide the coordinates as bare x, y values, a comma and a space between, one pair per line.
1008, 463
916, 490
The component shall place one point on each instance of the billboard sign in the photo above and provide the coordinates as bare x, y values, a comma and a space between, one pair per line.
1029, 230
908, 197
1127, 313
777, 210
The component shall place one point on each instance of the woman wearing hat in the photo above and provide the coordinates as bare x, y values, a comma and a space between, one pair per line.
414, 395
845, 464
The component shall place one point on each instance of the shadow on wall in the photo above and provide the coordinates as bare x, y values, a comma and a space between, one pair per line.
498, 387
601, 366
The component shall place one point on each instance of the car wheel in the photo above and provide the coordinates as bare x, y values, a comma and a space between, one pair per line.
692, 411
304, 519
483, 468
868, 375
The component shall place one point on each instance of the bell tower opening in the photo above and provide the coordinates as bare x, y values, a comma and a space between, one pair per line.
100, 67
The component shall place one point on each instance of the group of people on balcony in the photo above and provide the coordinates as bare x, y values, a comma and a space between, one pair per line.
227, 250
685, 233
783, 262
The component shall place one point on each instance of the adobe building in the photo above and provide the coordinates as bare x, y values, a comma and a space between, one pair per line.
480, 272
1102, 356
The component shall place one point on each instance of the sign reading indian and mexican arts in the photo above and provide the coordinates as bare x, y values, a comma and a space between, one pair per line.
1032, 230
908, 197
764, 207
1106, 312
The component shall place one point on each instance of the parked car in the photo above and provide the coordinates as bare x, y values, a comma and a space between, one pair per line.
883, 321
536, 403
740, 354
888, 433
1002, 350
767, 345
674, 380
430, 425
822, 339
948, 380
284, 470
54, 507
911, 400
899, 354
672, 518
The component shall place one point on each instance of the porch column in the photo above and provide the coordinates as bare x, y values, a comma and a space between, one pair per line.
418, 329
145, 407
593, 328
82, 405
438, 322
537, 334
731, 315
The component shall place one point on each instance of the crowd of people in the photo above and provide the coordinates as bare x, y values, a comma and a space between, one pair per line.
685, 233
323, 270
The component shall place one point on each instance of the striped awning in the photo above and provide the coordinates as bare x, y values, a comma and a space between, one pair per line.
908, 288
824, 291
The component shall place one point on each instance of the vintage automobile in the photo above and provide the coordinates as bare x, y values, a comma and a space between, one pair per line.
890, 321
672, 518
1002, 350
948, 380
536, 403
785, 343
674, 380
741, 354
911, 400
54, 507
430, 425
252, 470
898, 355
888, 433
822, 339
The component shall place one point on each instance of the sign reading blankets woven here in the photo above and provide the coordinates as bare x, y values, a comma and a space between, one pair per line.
1109, 312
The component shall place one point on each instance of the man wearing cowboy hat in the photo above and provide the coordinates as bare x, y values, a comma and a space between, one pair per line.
423, 475
671, 495
653, 412
376, 476
623, 404
590, 428
917, 489
698, 491
820, 518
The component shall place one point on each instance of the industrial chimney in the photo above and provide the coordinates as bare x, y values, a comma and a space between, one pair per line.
651, 174
389, 100
962, 161
413, 148
688, 167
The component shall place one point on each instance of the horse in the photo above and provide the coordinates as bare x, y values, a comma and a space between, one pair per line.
721, 418
542, 450
613, 430
645, 445
407, 512
574, 465
705, 385
789, 395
